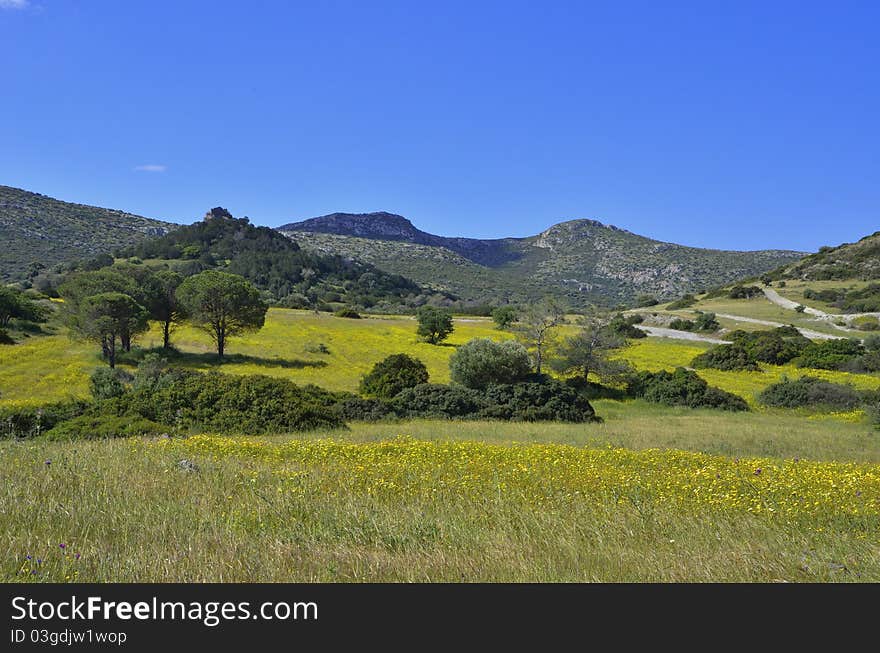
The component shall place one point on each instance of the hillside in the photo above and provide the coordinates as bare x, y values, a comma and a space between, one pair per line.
857, 261
298, 278
582, 261
36, 228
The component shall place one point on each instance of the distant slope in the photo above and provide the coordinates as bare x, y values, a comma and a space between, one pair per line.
36, 228
583, 261
859, 261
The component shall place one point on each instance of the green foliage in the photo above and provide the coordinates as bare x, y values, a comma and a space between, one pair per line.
504, 316
14, 304
588, 352
482, 362
435, 324
830, 354
392, 375
744, 292
683, 388
706, 322
810, 392
684, 302
775, 347
543, 400
680, 324
97, 426
349, 313
250, 405
31, 421
107, 383
436, 400
800, 308
624, 326
5, 338
866, 323
223, 305
645, 300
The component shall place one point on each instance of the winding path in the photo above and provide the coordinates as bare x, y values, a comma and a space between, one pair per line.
661, 332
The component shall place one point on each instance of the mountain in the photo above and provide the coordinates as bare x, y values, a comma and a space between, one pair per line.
294, 277
582, 261
36, 228
859, 260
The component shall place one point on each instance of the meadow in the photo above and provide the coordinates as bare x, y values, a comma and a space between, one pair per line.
399, 508
651, 494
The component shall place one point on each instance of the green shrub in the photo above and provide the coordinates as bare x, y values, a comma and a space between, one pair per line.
706, 322
544, 400
106, 383
684, 302
683, 388
680, 324
223, 403
744, 292
623, 326
5, 338
732, 357
349, 313
810, 392
504, 316
392, 375
830, 354
32, 421
482, 362
435, 400
352, 407
643, 301
104, 426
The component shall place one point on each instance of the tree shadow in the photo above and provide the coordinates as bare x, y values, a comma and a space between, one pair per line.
204, 360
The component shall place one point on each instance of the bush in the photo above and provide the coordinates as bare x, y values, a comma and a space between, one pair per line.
351, 407
744, 292
683, 388
435, 400
680, 324
706, 322
482, 362
623, 326
810, 392
32, 421
249, 404
830, 354
392, 375
5, 338
103, 426
732, 357
643, 301
504, 316
544, 400
350, 313
106, 383
684, 302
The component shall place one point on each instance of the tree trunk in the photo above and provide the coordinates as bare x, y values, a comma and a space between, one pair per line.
112, 352
221, 344
538, 359
166, 334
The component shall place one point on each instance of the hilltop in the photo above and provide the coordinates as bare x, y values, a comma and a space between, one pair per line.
35, 228
582, 261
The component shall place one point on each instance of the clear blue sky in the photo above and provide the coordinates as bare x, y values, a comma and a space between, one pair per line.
721, 124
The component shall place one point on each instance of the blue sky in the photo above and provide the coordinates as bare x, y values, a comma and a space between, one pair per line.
736, 125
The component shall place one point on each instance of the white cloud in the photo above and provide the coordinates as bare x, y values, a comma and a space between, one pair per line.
150, 167
14, 4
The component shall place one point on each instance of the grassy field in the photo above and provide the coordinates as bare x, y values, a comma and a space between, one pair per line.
662, 354
49, 368
370, 506
651, 494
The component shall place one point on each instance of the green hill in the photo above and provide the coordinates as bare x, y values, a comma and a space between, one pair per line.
39, 229
582, 261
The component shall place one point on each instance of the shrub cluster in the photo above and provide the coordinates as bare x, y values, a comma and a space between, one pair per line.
537, 400
392, 375
775, 347
813, 392
683, 388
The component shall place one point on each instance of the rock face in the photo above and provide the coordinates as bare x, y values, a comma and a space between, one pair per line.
218, 213
583, 261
